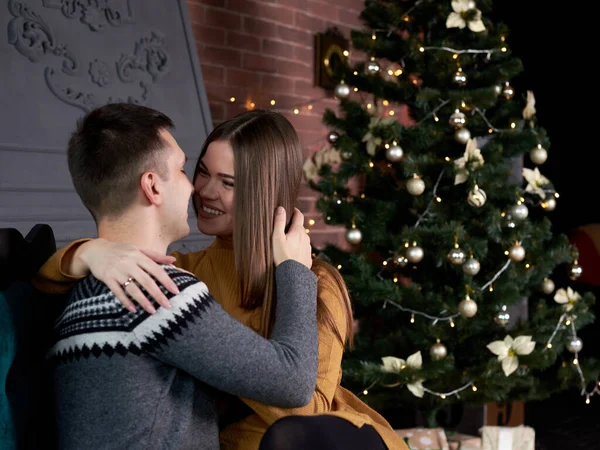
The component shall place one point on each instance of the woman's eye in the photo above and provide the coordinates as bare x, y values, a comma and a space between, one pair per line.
228, 183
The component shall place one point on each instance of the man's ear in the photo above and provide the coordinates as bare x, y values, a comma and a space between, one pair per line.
152, 188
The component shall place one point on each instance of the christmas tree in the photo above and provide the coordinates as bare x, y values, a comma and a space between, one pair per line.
435, 167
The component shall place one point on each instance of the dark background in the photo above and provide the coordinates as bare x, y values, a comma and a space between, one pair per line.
557, 44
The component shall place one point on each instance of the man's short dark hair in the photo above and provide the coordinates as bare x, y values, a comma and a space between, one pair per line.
110, 149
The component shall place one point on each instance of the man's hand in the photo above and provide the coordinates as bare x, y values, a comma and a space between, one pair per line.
293, 245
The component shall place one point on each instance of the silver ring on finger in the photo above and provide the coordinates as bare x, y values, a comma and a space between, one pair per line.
127, 283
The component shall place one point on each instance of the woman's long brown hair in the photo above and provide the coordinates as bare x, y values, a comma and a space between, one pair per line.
268, 172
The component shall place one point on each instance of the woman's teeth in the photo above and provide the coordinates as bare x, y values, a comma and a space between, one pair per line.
211, 211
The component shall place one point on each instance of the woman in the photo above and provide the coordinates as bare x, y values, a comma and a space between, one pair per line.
249, 164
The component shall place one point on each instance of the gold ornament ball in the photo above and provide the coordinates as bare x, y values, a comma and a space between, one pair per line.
519, 211
438, 351
574, 344
462, 135
467, 307
538, 155
548, 286
549, 204
332, 137
502, 317
457, 119
415, 186
508, 91
354, 236
477, 197
471, 267
575, 271
414, 254
457, 256
342, 90
516, 253
460, 78
394, 153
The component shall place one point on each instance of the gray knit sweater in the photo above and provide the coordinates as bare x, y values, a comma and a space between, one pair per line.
128, 380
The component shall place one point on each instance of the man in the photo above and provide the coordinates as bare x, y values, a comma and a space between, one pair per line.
130, 379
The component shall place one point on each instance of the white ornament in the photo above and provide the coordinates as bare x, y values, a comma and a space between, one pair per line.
574, 344
477, 197
415, 186
394, 153
438, 351
550, 204
467, 307
462, 135
548, 286
354, 236
538, 155
471, 267
342, 90
516, 253
519, 211
414, 254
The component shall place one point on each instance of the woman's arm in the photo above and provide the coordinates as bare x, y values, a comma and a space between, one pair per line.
331, 351
112, 263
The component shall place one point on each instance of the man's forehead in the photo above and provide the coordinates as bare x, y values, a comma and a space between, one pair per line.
172, 144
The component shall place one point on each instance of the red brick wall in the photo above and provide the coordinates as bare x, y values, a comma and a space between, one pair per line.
262, 50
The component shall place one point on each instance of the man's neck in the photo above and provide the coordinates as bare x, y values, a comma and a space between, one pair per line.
137, 231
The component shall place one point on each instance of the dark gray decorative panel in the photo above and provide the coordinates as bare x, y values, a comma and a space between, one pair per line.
61, 58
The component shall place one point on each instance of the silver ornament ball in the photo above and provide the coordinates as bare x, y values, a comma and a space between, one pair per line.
575, 271
502, 317
574, 344
547, 286
372, 67
438, 351
467, 308
519, 211
414, 254
471, 267
516, 253
342, 90
460, 78
508, 91
477, 197
415, 186
394, 153
457, 119
462, 135
457, 256
538, 155
400, 260
332, 137
354, 236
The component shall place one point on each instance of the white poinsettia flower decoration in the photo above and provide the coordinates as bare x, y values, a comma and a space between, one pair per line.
325, 156
391, 364
529, 110
535, 181
471, 160
456, 17
374, 141
509, 349
310, 169
567, 298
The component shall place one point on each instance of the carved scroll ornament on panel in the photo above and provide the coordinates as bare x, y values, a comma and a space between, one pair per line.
95, 82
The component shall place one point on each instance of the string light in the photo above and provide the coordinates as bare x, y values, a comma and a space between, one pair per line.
414, 313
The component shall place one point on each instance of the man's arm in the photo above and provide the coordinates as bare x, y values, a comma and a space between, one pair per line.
199, 337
